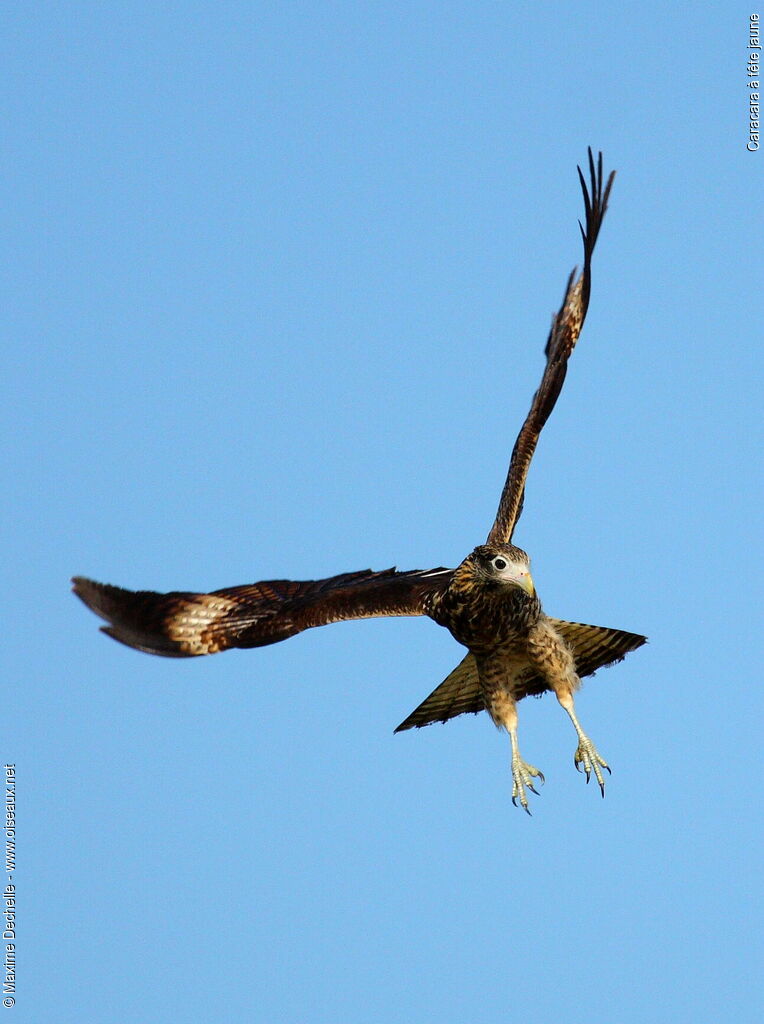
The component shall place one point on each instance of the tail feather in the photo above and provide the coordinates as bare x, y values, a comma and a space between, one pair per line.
458, 694
596, 647
593, 647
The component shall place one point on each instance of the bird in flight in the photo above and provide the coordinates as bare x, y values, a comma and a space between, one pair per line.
488, 603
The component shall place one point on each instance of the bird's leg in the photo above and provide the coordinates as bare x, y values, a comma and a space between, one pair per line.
586, 754
523, 773
552, 658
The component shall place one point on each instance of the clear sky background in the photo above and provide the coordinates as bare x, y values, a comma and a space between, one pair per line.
277, 282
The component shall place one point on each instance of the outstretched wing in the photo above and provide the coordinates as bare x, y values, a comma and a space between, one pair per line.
563, 336
183, 625
593, 648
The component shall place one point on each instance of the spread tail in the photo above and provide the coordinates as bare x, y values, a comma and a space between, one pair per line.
458, 694
593, 648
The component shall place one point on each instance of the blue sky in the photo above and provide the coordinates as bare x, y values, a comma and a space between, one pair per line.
277, 285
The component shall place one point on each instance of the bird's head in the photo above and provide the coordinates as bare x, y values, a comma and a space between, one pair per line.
498, 566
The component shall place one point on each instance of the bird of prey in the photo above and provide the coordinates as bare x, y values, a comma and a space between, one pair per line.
488, 603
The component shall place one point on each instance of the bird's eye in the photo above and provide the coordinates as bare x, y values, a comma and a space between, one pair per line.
499, 563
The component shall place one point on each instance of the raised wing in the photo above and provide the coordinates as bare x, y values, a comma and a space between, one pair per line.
566, 327
183, 625
593, 648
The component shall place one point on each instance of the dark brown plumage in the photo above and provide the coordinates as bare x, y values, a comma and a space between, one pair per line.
488, 603
184, 625
566, 328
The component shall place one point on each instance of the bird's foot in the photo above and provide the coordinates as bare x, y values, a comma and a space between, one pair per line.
588, 757
523, 775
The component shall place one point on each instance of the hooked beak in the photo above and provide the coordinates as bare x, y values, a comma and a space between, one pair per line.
518, 574
524, 580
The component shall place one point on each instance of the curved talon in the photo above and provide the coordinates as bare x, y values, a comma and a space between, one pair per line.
523, 775
587, 756
524, 806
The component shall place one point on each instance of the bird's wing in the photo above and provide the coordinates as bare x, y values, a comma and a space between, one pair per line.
182, 625
593, 647
566, 327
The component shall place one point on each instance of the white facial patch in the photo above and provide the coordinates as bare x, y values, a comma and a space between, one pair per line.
513, 572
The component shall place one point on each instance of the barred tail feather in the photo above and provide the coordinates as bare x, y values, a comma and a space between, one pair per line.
458, 694
596, 647
593, 647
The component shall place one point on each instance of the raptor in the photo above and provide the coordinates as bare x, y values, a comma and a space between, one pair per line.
488, 603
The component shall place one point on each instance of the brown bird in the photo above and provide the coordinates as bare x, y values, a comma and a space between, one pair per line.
488, 603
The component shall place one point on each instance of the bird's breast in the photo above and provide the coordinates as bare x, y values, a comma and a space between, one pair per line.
486, 619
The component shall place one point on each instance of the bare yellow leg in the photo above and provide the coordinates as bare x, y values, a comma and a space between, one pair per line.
586, 754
